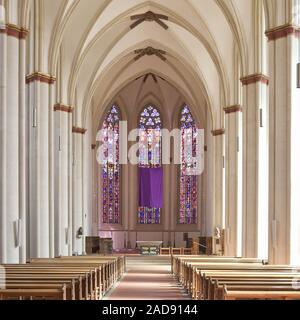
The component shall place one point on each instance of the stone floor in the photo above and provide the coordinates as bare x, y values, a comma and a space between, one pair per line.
147, 278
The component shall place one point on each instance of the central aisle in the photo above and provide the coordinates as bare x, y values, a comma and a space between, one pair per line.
147, 278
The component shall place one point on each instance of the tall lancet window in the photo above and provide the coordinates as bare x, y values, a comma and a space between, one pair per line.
150, 167
188, 180
111, 168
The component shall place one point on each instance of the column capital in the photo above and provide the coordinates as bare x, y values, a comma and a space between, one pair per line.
233, 109
218, 132
254, 78
41, 77
14, 31
283, 31
79, 130
63, 108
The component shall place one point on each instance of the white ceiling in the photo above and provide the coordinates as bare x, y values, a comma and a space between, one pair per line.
90, 46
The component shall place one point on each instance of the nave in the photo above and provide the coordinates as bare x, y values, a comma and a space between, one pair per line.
162, 278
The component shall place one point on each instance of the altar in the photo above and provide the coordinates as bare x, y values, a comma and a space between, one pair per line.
149, 247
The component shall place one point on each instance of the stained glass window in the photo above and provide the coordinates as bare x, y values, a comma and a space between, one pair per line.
111, 168
150, 155
188, 181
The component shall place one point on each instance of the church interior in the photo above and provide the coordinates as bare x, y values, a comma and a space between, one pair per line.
96, 203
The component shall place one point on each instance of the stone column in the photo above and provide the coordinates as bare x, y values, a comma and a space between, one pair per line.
254, 98
167, 200
133, 202
233, 123
218, 142
207, 218
52, 173
3, 79
174, 203
96, 187
78, 214
71, 163
88, 181
23, 150
61, 150
284, 181
202, 200
12, 158
125, 192
12, 148
39, 164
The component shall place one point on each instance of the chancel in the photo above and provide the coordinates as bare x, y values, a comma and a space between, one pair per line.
149, 150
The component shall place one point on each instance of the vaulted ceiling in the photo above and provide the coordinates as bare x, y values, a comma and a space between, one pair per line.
91, 47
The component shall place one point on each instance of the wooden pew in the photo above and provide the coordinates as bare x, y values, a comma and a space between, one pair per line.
85, 284
120, 261
58, 293
113, 267
199, 283
72, 291
185, 269
177, 262
80, 293
82, 278
108, 272
231, 278
260, 295
270, 287
213, 282
116, 267
91, 274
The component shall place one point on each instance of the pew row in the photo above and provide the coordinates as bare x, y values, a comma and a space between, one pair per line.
220, 278
62, 278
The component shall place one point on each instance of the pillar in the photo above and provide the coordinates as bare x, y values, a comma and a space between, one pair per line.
23, 150
78, 214
284, 181
12, 147
218, 142
88, 154
63, 227
39, 92
233, 150
3, 75
255, 88
167, 200
173, 190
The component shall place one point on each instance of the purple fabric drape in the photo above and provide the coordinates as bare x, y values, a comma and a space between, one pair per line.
151, 187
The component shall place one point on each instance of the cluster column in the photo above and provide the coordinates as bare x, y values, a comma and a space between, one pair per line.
78, 214
218, 142
12, 147
284, 182
255, 88
62, 216
40, 90
233, 185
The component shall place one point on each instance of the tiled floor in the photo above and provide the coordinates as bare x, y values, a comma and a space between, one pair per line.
147, 278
